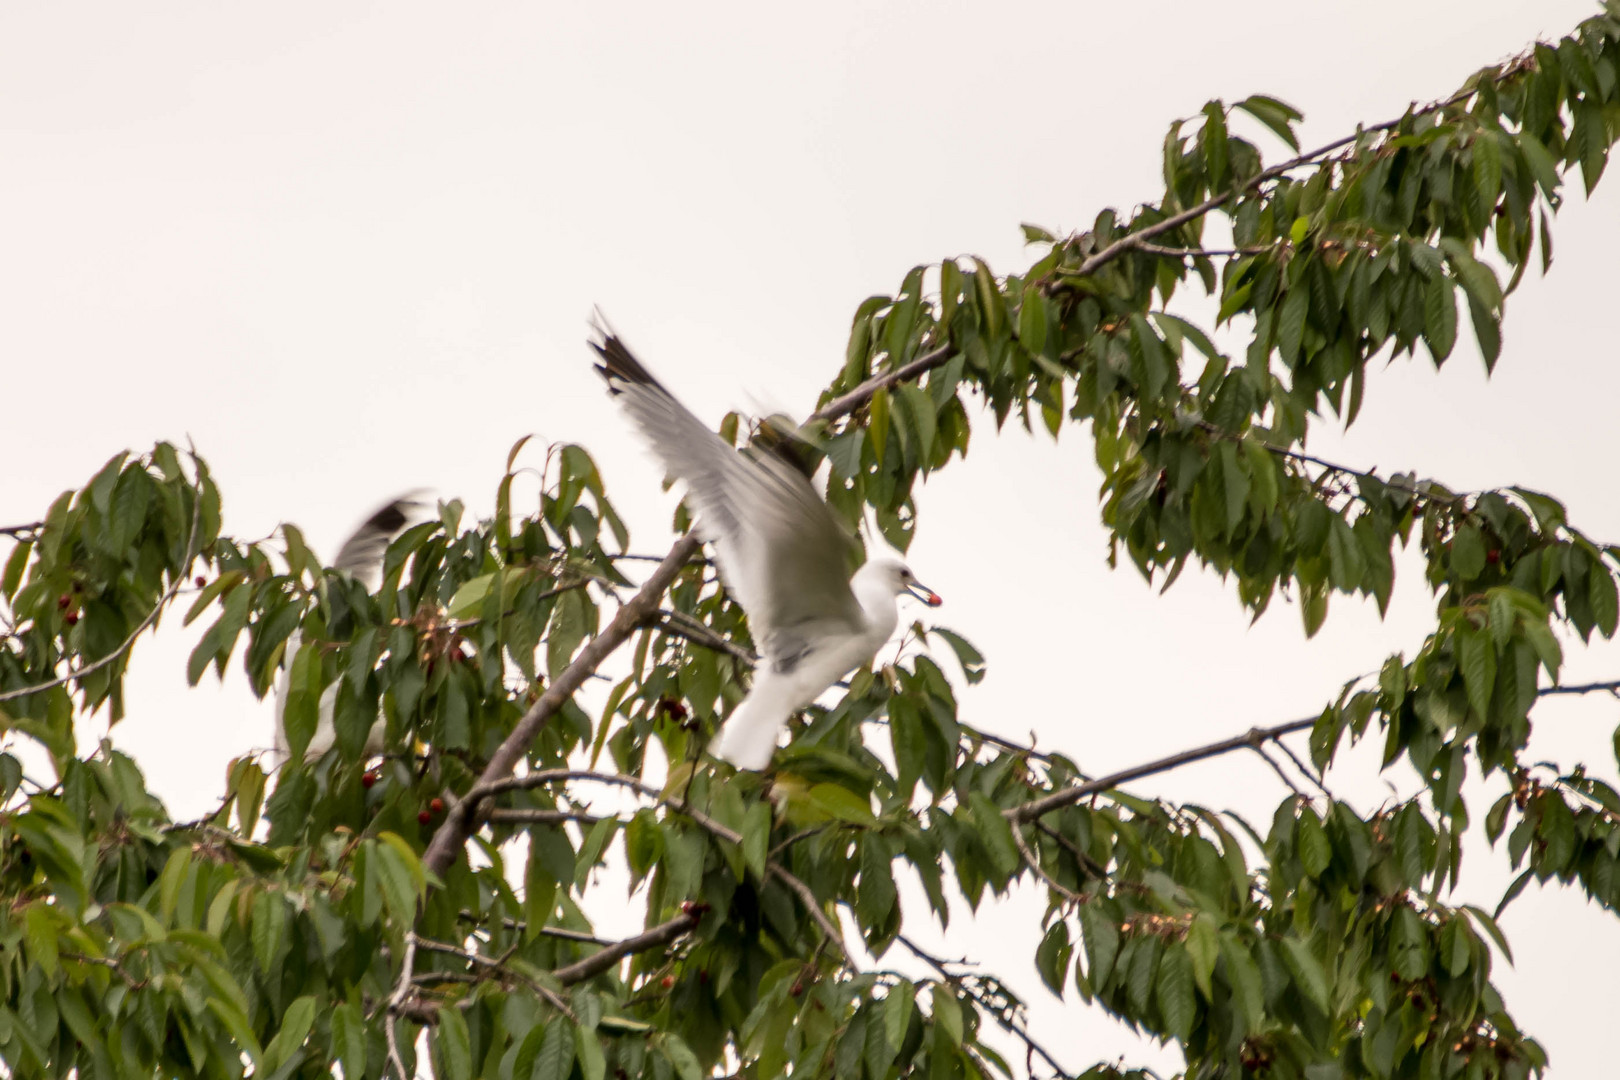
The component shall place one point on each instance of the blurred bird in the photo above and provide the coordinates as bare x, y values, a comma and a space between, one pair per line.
781, 553
361, 557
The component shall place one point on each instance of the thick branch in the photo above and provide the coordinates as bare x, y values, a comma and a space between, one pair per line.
598, 962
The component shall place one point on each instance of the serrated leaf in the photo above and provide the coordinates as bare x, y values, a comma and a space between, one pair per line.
1307, 972
948, 1013
1203, 948
296, 1023
1174, 991
841, 803
898, 1006
453, 1043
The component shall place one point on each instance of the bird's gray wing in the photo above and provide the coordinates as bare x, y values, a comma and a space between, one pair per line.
362, 553
780, 550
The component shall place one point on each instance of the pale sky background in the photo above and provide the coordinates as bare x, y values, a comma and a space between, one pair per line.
351, 250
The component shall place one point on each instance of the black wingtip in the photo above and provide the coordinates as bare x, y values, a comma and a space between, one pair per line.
618, 363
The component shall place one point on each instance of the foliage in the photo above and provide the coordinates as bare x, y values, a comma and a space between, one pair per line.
446, 886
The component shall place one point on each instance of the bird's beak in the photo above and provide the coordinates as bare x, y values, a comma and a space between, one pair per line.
925, 594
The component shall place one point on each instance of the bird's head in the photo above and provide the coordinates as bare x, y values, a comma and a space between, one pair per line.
898, 578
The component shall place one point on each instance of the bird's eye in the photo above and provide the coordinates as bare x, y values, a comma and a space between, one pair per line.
905, 575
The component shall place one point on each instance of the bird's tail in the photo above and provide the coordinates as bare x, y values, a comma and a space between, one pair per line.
748, 738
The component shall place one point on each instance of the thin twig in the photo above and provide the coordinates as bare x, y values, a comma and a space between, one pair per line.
539, 817
396, 1003
175, 584
1006, 1024
1610, 687
1035, 865
1205, 253
1308, 773
1259, 748
17, 532
681, 625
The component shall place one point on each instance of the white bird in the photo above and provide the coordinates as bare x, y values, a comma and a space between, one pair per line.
361, 557
781, 553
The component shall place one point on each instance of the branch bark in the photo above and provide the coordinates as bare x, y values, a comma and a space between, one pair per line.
1070, 795
598, 962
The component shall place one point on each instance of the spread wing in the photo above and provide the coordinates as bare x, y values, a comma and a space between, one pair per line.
780, 550
362, 553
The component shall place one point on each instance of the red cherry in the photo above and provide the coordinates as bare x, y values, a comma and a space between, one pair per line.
1493, 557
64, 600
201, 581
667, 981
71, 618
423, 817
368, 779
437, 806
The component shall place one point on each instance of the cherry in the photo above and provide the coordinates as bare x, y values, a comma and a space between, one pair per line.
667, 981
201, 581
368, 780
437, 806
64, 600
423, 817
71, 618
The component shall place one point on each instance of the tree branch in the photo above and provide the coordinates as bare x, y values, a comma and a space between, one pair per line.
598, 962
1070, 795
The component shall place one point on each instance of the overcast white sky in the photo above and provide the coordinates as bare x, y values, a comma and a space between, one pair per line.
351, 250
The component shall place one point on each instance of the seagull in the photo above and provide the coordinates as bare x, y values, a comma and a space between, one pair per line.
780, 552
361, 557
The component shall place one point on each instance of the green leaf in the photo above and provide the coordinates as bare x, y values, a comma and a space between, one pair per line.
948, 1013
1307, 972
679, 1054
898, 1006
877, 425
1276, 115
453, 1043
1174, 991
1315, 853
756, 834
41, 929
1203, 947
1605, 599
349, 1038
556, 1052
1467, 553
1439, 317
588, 1049
1102, 942
995, 833
1476, 656
1244, 978
1032, 318
970, 658
919, 408
236, 1022
841, 803
269, 927
296, 1023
